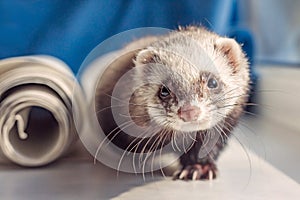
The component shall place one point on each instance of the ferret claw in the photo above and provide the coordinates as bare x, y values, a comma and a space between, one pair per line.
183, 174
210, 175
196, 175
206, 171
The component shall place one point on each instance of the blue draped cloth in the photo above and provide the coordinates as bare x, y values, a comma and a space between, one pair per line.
69, 30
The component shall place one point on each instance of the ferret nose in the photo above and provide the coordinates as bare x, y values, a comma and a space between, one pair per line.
189, 113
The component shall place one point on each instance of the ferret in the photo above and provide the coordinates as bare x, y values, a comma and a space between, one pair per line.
194, 83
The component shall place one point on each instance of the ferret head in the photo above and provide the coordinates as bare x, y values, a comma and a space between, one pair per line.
190, 84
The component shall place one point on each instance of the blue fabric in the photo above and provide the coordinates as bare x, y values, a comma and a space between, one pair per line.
69, 30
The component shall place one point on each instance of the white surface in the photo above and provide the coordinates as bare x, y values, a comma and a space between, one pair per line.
243, 175
240, 178
278, 123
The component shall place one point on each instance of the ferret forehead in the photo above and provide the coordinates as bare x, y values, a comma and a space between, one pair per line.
191, 65
182, 46
191, 57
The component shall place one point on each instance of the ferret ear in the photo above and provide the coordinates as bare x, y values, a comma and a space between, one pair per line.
231, 50
146, 56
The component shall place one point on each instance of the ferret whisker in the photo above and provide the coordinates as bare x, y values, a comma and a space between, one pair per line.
186, 147
223, 95
141, 161
194, 139
221, 135
122, 127
138, 116
175, 139
243, 146
161, 142
225, 107
231, 105
224, 136
245, 151
269, 90
119, 164
119, 131
135, 152
137, 144
250, 113
128, 151
125, 103
224, 100
156, 142
242, 123
108, 107
243, 111
172, 141
116, 106
148, 154
205, 142
186, 136
160, 158
111, 96
191, 145
228, 98
142, 105
183, 139
107, 138
137, 120
147, 106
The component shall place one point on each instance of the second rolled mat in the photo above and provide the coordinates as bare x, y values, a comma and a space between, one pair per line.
36, 109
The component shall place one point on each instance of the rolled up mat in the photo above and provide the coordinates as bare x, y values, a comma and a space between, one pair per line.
36, 120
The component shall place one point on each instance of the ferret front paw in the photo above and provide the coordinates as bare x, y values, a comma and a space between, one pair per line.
207, 171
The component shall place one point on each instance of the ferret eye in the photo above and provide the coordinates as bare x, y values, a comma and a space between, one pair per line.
212, 83
164, 92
